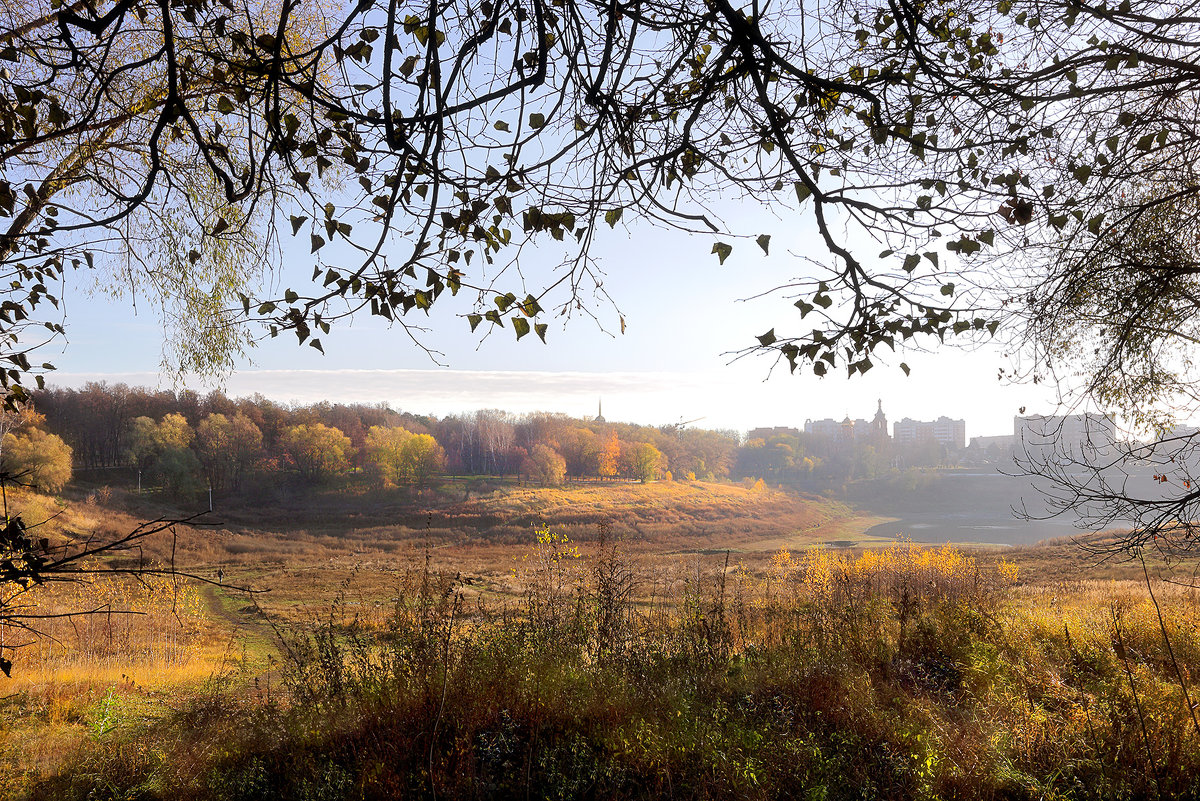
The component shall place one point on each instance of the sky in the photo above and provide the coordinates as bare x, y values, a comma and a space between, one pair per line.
686, 317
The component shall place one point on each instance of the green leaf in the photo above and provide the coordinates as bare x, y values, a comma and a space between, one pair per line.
529, 307
537, 120
722, 250
819, 368
802, 192
947, 289
501, 125
474, 320
317, 243
767, 339
905, 368
521, 326
225, 105
911, 261
612, 217
764, 242
964, 245
296, 223
540, 330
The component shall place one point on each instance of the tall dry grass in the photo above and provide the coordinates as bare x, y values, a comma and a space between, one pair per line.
110, 654
903, 672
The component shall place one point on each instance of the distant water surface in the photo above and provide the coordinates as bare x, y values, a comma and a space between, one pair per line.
962, 506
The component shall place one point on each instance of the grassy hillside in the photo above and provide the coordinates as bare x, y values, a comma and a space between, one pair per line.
690, 514
660, 515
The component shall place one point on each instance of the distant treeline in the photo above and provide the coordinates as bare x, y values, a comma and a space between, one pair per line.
183, 441
180, 437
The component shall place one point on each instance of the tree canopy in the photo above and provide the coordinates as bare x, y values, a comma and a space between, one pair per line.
43, 460
317, 452
998, 152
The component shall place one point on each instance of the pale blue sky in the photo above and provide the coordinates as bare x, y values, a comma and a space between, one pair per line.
685, 316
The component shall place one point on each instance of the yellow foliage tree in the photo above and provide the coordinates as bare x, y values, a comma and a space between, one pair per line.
385, 453
545, 466
174, 432
317, 451
39, 458
645, 462
423, 458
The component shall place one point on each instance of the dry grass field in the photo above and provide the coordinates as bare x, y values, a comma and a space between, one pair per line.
669, 639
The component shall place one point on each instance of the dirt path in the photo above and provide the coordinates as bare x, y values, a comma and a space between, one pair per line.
247, 622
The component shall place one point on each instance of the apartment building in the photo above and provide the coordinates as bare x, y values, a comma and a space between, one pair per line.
944, 431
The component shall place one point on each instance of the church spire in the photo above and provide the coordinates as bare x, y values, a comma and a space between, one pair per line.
600, 411
879, 424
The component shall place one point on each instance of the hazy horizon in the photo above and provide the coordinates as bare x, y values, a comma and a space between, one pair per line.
708, 399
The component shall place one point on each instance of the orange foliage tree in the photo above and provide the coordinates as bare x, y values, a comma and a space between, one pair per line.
610, 456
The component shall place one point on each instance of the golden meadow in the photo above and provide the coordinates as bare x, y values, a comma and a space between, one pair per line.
583, 663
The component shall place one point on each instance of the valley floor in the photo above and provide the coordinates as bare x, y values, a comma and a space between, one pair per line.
693, 641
